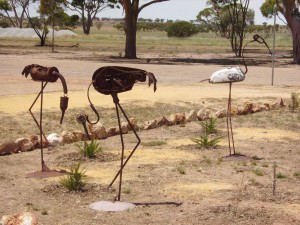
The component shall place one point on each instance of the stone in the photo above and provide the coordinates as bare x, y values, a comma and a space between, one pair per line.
134, 124
191, 116
34, 140
55, 139
281, 104
8, 147
112, 131
204, 114
164, 121
150, 124
78, 135
68, 137
263, 108
234, 110
25, 218
268, 106
177, 118
98, 130
221, 113
124, 128
24, 144
274, 105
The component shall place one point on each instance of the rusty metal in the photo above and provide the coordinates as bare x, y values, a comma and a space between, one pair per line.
231, 75
112, 80
45, 75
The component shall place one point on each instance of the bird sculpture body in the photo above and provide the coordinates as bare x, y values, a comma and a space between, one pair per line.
45, 75
227, 75
231, 75
111, 80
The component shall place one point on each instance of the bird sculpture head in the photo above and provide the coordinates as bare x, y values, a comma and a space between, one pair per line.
48, 74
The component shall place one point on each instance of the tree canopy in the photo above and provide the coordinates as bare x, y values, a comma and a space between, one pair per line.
228, 19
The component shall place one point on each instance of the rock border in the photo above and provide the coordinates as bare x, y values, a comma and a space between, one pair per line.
98, 131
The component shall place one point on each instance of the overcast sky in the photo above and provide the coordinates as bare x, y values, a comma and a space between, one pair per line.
182, 10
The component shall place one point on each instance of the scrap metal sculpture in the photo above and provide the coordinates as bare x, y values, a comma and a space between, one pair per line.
45, 75
231, 75
111, 80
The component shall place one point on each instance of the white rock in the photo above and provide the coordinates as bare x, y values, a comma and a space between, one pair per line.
55, 139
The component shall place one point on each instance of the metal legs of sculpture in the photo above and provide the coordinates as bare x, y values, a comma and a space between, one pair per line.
45, 75
112, 80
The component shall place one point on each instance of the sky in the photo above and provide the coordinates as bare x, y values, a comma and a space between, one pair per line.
182, 10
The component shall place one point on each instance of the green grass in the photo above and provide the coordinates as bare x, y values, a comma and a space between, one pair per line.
154, 143
75, 180
181, 169
296, 174
89, 149
258, 171
108, 39
281, 176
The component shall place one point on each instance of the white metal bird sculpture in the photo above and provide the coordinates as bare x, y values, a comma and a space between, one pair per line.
231, 75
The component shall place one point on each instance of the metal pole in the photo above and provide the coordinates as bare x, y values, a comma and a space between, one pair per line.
273, 53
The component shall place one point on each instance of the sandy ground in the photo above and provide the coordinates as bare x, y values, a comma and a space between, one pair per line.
210, 188
176, 83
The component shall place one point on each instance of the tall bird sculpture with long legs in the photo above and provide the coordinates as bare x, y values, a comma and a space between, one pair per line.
112, 80
231, 75
45, 75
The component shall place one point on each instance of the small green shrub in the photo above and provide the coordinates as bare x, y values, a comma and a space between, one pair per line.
182, 29
294, 101
258, 172
205, 140
75, 180
90, 149
126, 191
180, 169
44, 212
210, 125
154, 143
254, 182
296, 174
281, 176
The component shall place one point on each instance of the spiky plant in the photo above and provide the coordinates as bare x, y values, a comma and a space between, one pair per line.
205, 140
75, 180
90, 149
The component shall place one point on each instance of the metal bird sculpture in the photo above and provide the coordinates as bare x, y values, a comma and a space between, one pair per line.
231, 75
111, 80
46, 75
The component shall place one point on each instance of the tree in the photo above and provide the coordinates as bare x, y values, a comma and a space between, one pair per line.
290, 11
15, 7
53, 11
88, 10
182, 29
228, 19
132, 10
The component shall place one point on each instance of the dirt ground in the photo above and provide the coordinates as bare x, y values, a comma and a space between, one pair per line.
173, 183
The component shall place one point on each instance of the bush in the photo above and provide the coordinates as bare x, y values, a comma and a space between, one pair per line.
75, 180
206, 140
182, 29
4, 23
90, 149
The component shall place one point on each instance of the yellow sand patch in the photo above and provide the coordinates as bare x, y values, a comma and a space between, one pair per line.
260, 133
107, 171
105, 174
193, 189
154, 156
292, 209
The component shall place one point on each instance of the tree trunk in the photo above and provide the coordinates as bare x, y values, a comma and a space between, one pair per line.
130, 29
295, 24
291, 13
